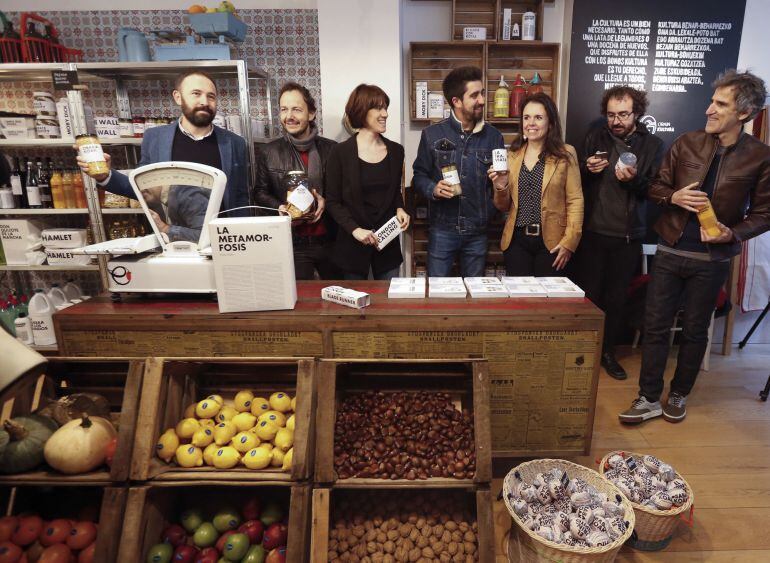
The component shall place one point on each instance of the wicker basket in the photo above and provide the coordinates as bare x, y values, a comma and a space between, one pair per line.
654, 528
536, 549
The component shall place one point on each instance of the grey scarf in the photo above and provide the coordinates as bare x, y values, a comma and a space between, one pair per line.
314, 168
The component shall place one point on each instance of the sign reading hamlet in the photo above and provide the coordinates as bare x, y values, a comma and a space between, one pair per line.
672, 50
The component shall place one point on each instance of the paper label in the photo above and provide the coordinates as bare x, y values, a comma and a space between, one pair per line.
499, 160
92, 152
301, 198
475, 33
33, 196
435, 106
16, 185
451, 177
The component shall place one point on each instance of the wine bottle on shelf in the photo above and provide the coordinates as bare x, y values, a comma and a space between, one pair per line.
44, 185
32, 189
17, 187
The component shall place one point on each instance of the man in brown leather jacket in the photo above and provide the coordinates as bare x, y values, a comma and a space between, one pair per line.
731, 169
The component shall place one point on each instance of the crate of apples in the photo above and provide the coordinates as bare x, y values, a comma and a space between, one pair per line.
30, 538
247, 431
251, 535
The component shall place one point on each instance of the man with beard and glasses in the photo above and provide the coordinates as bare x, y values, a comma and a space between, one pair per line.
615, 209
458, 223
301, 148
192, 138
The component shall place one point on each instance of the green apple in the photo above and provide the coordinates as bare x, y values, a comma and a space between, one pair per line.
191, 519
205, 535
255, 554
227, 519
271, 514
236, 547
160, 553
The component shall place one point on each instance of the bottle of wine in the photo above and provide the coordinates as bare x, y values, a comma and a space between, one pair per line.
33, 190
44, 185
17, 187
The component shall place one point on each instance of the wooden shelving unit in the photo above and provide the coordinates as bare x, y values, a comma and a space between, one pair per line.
475, 13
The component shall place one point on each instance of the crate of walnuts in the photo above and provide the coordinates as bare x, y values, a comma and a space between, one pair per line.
403, 423
660, 496
391, 525
565, 512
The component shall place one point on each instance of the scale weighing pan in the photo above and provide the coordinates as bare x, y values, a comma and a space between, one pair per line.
179, 200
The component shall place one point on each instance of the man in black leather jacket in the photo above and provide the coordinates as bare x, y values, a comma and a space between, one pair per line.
615, 208
300, 148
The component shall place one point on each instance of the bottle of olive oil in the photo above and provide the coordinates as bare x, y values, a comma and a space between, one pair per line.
502, 99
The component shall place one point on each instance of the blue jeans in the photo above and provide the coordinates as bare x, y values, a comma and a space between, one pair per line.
445, 244
692, 286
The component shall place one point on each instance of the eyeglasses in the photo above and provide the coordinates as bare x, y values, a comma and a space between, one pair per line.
623, 115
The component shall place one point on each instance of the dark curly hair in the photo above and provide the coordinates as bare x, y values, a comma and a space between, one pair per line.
639, 97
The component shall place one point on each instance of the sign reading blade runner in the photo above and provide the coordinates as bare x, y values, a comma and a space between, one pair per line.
672, 50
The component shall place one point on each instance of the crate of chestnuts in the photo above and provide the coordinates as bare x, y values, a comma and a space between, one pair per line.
388, 526
659, 494
403, 423
213, 419
562, 511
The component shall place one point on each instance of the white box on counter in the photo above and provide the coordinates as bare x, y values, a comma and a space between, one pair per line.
253, 263
345, 296
64, 238
561, 287
448, 287
18, 237
406, 288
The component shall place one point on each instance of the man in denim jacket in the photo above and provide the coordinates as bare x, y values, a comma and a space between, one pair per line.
458, 224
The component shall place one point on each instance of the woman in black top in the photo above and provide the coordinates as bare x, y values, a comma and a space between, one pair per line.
363, 189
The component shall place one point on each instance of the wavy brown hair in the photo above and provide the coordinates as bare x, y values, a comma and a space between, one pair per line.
554, 140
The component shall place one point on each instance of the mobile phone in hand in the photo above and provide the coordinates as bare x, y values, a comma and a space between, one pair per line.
601, 154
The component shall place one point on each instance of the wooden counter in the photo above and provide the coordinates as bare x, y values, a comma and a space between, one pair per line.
543, 353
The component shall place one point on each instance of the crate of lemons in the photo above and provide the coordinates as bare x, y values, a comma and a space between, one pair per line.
250, 431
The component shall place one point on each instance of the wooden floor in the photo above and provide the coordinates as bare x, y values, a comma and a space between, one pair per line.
722, 448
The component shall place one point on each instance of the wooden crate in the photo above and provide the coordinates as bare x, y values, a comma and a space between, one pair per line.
467, 381
509, 58
431, 61
118, 380
150, 508
171, 385
475, 13
517, 11
105, 505
478, 500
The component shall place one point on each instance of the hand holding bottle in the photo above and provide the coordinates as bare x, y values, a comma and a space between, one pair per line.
690, 198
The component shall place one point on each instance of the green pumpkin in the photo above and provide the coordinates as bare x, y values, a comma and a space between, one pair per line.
22, 440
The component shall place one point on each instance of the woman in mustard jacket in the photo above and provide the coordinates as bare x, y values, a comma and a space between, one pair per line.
542, 192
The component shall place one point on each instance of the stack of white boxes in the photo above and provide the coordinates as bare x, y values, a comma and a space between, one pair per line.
561, 287
485, 287
446, 287
59, 243
524, 286
406, 288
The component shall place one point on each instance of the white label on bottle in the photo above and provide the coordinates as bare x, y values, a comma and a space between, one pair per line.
528, 26
126, 128
92, 152
16, 184
42, 330
45, 194
23, 330
33, 196
451, 177
6, 198
301, 198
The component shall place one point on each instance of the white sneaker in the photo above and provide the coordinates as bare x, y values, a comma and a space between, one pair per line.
641, 410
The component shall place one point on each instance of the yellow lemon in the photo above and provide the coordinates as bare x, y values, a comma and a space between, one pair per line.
167, 445
258, 458
189, 456
217, 398
189, 412
267, 446
226, 413
207, 423
294, 404
244, 421
259, 405
207, 408
186, 428
202, 437
277, 418
287, 460
242, 401
284, 439
208, 453
226, 458
276, 457
244, 441
224, 432
290, 423
266, 430
280, 402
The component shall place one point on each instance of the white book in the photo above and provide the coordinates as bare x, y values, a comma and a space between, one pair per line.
487, 291
520, 280
345, 296
526, 290
446, 281
555, 281
447, 291
561, 287
406, 292
482, 280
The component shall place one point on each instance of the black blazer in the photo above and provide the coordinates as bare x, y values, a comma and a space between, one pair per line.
344, 201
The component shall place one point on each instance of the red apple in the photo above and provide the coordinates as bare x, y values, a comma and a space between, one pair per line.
82, 535
8, 526
254, 529
185, 554
28, 530
208, 555
220, 545
10, 552
277, 555
252, 509
175, 535
275, 536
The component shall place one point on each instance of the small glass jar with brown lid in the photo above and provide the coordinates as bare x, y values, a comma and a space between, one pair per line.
90, 149
299, 197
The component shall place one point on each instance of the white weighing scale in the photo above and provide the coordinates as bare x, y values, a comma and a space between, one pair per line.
183, 196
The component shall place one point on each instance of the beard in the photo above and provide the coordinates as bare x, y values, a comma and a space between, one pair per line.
474, 115
198, 116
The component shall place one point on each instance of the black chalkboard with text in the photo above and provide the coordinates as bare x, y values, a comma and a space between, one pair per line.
673, 50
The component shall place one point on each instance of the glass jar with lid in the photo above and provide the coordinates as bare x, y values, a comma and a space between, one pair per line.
299, 198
